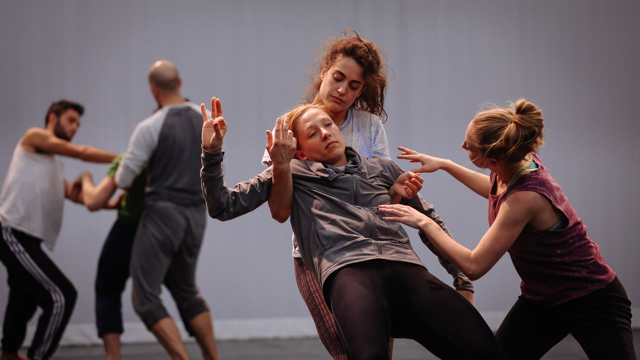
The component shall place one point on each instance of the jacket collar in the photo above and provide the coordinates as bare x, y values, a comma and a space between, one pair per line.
318, 169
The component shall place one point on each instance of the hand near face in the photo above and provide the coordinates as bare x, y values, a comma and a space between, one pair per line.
281, 144
214, 128
406, 186
429, 163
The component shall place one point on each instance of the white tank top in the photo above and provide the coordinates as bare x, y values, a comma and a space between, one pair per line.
33, 195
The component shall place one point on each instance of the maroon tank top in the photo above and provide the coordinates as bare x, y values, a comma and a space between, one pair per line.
555, 265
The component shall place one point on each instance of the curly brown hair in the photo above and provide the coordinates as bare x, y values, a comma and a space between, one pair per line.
369, 56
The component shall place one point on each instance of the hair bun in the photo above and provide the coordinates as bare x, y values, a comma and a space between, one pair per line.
523, 107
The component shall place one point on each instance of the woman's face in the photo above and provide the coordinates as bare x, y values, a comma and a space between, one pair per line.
320, 139
470, 144
341, 84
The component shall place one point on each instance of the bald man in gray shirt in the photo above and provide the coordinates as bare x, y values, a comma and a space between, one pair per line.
172, 226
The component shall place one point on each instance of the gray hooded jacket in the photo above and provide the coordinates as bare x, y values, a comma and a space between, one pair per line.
334, 214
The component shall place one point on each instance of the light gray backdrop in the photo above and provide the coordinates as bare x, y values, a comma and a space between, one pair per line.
577, 60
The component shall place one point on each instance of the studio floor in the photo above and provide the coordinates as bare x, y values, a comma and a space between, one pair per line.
298, 349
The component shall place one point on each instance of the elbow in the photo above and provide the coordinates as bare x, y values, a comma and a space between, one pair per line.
475, 273
473, 276
280, 216
93, 207
217, 214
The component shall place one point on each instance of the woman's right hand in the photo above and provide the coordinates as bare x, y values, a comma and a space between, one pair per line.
213, 128
429, 163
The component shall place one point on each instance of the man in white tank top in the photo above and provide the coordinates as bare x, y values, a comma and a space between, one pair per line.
31, 204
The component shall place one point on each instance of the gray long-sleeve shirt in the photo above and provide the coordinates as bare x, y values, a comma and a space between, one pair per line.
169, 141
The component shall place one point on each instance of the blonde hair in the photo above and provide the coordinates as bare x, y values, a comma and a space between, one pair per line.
509, 134
295, 115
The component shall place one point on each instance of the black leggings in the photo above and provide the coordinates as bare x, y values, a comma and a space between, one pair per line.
600, 322
378, 299
113, 272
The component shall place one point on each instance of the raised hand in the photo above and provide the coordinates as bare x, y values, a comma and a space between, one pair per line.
281, 144
429, 163
406, 186
214, 128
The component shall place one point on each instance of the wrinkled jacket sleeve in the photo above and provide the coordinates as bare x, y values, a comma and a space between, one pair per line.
460, 280
224, 203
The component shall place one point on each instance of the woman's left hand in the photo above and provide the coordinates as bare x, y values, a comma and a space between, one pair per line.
281, 144
405, 214
406, 186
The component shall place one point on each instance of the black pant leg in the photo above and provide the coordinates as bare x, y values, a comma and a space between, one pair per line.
111, 278
601, 323
359, 300
439, 318
41, 279
529, 330
21, 306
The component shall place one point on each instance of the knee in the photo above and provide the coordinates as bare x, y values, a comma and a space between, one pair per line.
64, 296
149, 311
192, 307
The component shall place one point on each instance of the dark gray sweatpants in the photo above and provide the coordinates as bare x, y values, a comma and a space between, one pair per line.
165, 251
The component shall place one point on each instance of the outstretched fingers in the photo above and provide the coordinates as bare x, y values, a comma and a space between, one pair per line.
216, 108
203, 110
269, 140
214, 128
408, 154
401, 213
407, 151
278, 129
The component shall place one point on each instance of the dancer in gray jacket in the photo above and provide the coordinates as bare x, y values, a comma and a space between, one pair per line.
370, 275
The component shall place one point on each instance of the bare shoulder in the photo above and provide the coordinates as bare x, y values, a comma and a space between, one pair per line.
32, 137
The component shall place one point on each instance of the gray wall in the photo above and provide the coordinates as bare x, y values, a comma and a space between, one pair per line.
578, 60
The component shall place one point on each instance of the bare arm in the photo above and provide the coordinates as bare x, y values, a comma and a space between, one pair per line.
281, 146
41, 140
479, 183
97, 197
514, 214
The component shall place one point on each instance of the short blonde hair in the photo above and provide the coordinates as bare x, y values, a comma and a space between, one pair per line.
295, 114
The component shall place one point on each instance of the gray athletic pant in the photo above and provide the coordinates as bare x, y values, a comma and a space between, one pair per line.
165, 251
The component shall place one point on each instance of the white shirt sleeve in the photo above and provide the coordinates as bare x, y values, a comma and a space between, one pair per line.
380, 143
141, 146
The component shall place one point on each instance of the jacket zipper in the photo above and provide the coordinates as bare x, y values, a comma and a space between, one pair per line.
365, 211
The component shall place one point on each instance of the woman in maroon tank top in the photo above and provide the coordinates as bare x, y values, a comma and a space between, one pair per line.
567, 288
